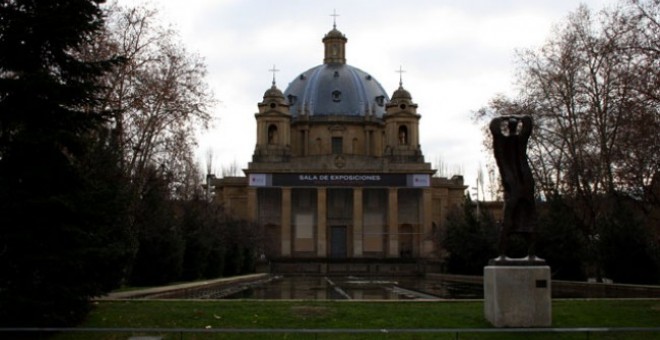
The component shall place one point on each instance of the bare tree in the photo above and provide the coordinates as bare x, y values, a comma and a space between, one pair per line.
593, 92
231, 170
158, 95
209, 161
441, 166
638, 26
494, 186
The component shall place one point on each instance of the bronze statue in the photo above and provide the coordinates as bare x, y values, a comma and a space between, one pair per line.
510, 136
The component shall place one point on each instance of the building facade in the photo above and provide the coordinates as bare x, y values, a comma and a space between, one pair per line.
338, 171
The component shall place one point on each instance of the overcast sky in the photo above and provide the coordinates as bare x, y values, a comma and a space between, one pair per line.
457, 54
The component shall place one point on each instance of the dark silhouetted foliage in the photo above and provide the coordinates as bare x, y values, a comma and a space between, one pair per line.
159, 258
63, 237
560, 240
626, 249
470, 242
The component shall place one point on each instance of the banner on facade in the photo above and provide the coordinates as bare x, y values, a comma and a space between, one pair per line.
340, 180
420, 180
258, 180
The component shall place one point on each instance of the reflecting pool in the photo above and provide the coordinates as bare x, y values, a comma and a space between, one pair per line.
356, 288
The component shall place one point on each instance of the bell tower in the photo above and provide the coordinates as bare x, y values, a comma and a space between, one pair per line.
273, 126
402, 127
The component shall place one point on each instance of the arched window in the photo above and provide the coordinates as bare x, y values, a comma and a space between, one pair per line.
403, 135
272, 134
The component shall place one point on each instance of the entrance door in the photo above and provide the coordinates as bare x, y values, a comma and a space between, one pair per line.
338, 242
272, 241
406, 240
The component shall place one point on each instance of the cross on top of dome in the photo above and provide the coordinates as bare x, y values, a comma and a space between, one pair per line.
400, 71
274, 70
334, 16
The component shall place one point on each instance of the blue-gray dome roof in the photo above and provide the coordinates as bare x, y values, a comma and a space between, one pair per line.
336, 89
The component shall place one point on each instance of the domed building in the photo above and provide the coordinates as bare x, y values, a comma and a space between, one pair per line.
338, 171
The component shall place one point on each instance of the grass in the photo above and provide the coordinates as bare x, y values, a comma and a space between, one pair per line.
364, 315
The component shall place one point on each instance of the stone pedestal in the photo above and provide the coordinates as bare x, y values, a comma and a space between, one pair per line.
517, 296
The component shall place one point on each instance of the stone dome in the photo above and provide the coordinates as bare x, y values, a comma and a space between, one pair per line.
335, 33
401, 93
336, 89
273, 92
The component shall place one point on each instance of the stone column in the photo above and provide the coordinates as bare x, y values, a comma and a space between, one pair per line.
357, 222
286, 222
252, 204
393, 223
321, 223
427, 222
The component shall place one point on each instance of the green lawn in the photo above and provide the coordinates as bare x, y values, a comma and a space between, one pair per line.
374, 315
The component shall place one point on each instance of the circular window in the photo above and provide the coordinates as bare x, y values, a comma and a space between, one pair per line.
273, 105
402, 106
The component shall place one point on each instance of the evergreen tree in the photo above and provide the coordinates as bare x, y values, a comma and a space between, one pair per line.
204, 234
195, 226
561, 241
470, 241
159, 257
626, 250
62, 236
